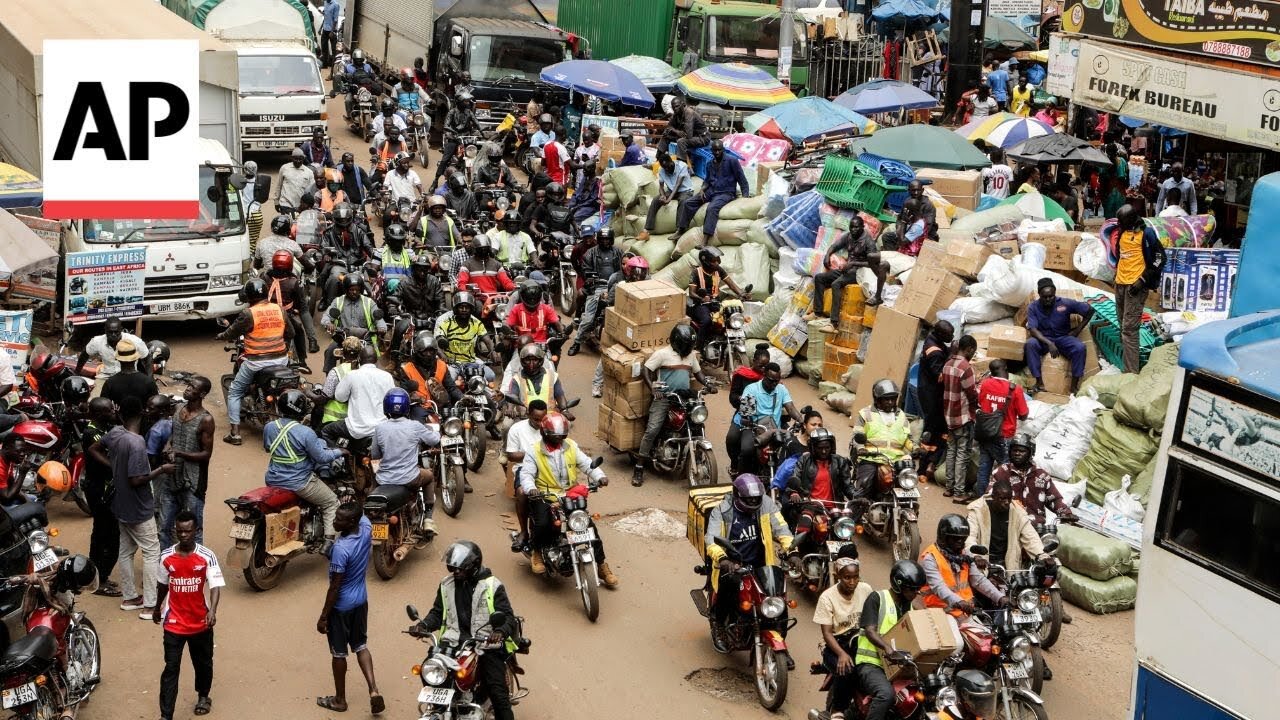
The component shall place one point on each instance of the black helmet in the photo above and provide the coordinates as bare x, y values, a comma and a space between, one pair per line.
352, 280
906, 574
709, 253
605, 233
395, 231
344, 213
884, 388
457, 182
388, 106
493, 151
280, 224
952, 525
510, 218
77, 573
976, 692
293, 404
75, 390
530, 293
255, 290
823, 436
158, 353
423, 342
463, 557
682, 339
555, 192
422, 262
1023, 440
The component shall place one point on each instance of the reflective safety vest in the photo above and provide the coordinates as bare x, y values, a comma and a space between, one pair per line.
522, 316
275, 294
959, 585
528, 393
425, 226
715, 282
333, 409
867, 653
547, 482
282, 442
394, 268
482, 607
421, 396
366, 304
890, 439
267, 336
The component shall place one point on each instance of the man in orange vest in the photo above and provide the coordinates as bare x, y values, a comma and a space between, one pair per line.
427, 377
266, 334
951, 573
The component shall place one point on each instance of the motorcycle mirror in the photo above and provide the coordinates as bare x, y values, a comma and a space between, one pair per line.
597, 462
979, 549
373, 152
1050, 542
412, 612
223, 322
747, 290
860, 438
497, 619
571, 404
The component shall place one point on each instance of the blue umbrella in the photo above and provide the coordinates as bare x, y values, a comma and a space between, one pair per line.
808, 118
897, 13
600, 79
654, 73
877, 96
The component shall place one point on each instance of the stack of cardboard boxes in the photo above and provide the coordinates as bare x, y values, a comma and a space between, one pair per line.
639, 322
842, 348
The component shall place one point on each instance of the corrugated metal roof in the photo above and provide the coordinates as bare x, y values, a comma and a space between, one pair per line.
482, 26
31, 22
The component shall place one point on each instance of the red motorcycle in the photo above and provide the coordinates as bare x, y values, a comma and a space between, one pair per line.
59, 439
451, 685
914, 697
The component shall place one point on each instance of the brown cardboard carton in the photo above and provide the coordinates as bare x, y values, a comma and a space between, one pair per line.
932, 255
928, 290
1060, 249
1008, 342
619, 432
963, 188
842, 356
929, 636
622, 364
633, 335
966, 258
847, 340
889, 352
283, 529
832, 372
630, 400
851, 317
869, 316
649, 301
763, 171
1007, 249
1091, 365
1056, 374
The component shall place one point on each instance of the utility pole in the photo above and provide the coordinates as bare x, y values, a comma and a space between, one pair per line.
786, 32
964, 52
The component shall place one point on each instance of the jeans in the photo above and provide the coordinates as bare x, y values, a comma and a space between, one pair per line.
448, 151
701, 316
597, 381
875, 683
318, 494
958, 449
590, 312
244, 379
741, 446
200, 646
1129, 302
842, 686
991, 454
656, 205
134, 537
170, 500
657, 418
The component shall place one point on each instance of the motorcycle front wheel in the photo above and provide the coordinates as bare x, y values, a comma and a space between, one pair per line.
87, 652
476, 446
590, 591
771, 677
384, 555
452, 487
256, 573
1053, 627
568, 297
1020, 708
906, 540
702, 468
1035, 681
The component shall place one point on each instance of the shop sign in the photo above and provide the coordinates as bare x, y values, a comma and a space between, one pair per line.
1014, 8
1245, 30
1064, 54
1208, 101
15, 338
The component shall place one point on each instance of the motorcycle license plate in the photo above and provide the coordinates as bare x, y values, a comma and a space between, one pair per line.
899, 492
381, 531
585, 536
1021, 618
450, 441
435, 696
242, 531
45, 559
1015, 672
21, 695
170, 307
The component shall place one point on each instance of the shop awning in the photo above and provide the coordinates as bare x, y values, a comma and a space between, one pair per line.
27, 264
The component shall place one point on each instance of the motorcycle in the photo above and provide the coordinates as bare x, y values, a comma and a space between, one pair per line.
1005, 646
277, 516
448, 461
682, 447
755, 625
258, 406
891, 506
726, 345
513, 134
476, 410
1045, 577
914, 697
56, 438
492, 203
833, 528
362, 114
450, 682
399, 514
565, 278
418, 136
770, 440
573, 554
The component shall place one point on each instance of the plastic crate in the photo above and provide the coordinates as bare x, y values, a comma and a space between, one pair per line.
847, 183
1107, 309
1107, 339
894, 172
702, 157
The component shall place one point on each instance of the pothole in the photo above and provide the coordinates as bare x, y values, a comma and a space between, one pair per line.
725, 684
651, 523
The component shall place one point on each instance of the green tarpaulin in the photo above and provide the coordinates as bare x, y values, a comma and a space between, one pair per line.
197, 12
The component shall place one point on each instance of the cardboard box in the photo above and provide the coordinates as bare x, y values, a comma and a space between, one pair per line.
1091, 365
929, 636
1008, 342
633, 335
889, 352
962, 188
851, 322
619, 432
283, 530
853, 303
848, 340
927, 291
1056, 374
1053, 398
622, 364
966, 258
763, 171
649, 301
831, 372
842, 356
869, 316
1198, 280
932, 255
1060, 249
630, 400
1007, 249
790, 335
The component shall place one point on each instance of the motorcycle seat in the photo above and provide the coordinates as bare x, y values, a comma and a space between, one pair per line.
393, 496
271, 499
33, 650
280, 375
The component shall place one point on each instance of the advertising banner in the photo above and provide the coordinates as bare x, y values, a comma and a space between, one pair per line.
105, 283
15, 338
1064, 54
1245, 30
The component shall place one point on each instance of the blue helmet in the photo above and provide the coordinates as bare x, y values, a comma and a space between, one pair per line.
396, 403
748, 493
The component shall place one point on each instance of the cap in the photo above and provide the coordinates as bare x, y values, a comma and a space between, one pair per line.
126, 351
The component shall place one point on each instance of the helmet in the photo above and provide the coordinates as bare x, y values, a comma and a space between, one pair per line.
457, 181
422, 262
280, 225
396, 403
282, 260
76, 389
357, 56
952, 525
406, 74
493, 150
682, 339
250, 168
352, 280
555, 428
386, 105
403, 156
510, 218
372, 267
463, 557
822, 435
77, 573
395, 231
636, 268
424, 341
555, 192
977, 692
56, 476
293, 404
709, 253
884, 388
530, 293
255, 290
1023, 440
748, 493
436, 201
158, 352
546, 118
464, 298
606, 233
332, 175
344, 213
533, 351
906, 574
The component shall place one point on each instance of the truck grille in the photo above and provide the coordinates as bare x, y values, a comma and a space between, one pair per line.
175, 286
286, 129
263, 130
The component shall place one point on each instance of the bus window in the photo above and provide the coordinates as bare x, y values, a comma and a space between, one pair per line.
1223, 526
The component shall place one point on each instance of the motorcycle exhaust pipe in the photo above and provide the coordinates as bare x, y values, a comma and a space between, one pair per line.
401, 552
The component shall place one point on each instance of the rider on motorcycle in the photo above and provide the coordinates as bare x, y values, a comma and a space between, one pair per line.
427, 377
421, 298
460, 121
396, 442
465, 601
819, 474
514, 245
484, 271
704, 289
495, 170
888, 432
555, 466
359, 73
553, 216
408, 96
435, 227
532, 316
880, 613
459, 197
668, 369
347, 240
1018, 537
266, 332
297, 453
951, 573
1032, 487
354, 314
536, 381
396, 260
770, 400
602, 262
285, 290
458, 333
329, 409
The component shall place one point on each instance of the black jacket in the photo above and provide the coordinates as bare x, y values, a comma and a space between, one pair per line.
465, 589
840, 469
353, 248
422, 300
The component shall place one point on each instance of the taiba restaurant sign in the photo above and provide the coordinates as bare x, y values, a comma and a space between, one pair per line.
1188, 96
1247, 31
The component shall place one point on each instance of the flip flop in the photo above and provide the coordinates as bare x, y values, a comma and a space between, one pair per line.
203, 706
327, 702
377, 704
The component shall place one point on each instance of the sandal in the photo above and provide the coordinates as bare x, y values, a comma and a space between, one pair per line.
377, 704
203, 705
233, 440
108, 589
328, 702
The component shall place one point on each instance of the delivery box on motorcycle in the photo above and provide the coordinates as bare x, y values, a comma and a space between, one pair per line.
929, 635
636, 335
649, 301
619, 432
624, 365
283, 531
701, 502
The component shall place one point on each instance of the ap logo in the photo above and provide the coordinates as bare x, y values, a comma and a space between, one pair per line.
121, 125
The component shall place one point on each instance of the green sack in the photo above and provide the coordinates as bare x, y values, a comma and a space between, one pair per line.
1097, 556
1141, 485
1098, 596
765, 320
656, 251
1115, 450
827, 388
1144, 403
1107, 387
841, 402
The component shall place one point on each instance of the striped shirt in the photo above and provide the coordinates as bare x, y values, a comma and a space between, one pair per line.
959, 392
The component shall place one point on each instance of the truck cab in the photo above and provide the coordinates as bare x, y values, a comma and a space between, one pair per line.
282, 99
721, 31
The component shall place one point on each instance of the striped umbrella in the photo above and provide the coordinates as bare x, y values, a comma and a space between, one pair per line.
735, 85
979, 128
1011, 132
654, 73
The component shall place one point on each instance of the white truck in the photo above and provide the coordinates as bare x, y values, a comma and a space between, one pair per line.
282, 99
193, 268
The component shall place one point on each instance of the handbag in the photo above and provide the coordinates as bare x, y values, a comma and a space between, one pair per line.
988, 424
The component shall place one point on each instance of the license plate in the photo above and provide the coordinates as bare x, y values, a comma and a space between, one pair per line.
450, 441
1015, 672
21, 695
381, 531
735, 334
45, 559
585, 536
169, 307
834, 546
899, 492
435, 696
1020, 617
243, 531
272, 143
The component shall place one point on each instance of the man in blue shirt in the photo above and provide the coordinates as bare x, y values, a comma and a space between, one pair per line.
724, 179
544, 134
1049, 331
296, 451
767, 399
345, 616
395, 446
329, 31
998, 79
675, 182
634, 154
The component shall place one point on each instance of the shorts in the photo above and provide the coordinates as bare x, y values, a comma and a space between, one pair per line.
349, 629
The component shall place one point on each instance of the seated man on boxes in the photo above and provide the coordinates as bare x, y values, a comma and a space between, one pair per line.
862, 253
951, 573
1049, 328
668, 369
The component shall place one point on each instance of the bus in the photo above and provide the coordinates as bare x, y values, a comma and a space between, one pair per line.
1207, 630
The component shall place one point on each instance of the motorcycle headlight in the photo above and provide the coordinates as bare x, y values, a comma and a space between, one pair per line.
735, 321
452, 427
363, 94
503, 203
1029, 601
844, 529
501, 313
434, 672
418, 119
579, 521
907, 480
699, 414
38, 541
773, 607
471, 151
947, 697
1020, 649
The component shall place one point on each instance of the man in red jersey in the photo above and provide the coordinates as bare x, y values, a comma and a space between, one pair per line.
187, 570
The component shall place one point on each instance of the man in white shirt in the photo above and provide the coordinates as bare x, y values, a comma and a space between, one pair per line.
403, 182
522, 438
103, 347
1185, 186
997, 179
362, 390
296, 177
1173, 203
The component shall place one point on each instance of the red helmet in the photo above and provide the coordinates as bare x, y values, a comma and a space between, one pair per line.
636, 268
555, 428
282, 260
406, 73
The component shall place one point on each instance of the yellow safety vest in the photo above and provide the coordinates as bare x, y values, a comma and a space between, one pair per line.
547, 482
333, 409
867, 653
291, 456
529, 394
366, 304
480, 611
889, 438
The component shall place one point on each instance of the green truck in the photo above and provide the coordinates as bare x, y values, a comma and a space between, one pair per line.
713, 31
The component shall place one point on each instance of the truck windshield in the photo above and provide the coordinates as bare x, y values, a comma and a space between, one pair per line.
751, 39
217, 219
279, 75
495, 58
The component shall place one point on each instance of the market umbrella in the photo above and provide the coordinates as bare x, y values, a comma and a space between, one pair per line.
735, 85
901, 13
654, 73
999, 32
809, 118
1012, 132
1057, 148
601, 79
879, 96
1038, 206
979, 128
19, 188
923, 146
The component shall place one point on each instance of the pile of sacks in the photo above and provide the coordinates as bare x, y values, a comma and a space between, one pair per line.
1099, 573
